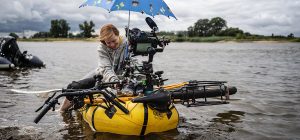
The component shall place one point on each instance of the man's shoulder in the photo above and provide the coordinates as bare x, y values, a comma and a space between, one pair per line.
102, 47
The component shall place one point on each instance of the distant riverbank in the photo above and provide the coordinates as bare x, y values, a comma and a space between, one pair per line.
55, 39
231, 39
180, 39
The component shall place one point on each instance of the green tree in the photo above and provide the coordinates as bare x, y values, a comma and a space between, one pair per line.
181, 33
230, 32
14, 35
41, 35
217, 24
247, 34
59, 28
54, 30
71, 35
191, 31
240, 36
64, 26
87, 28
202, 27
291, 35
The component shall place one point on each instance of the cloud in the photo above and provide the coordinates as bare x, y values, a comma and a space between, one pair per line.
254, 16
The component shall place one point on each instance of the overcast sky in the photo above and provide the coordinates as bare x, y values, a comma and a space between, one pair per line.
255, 16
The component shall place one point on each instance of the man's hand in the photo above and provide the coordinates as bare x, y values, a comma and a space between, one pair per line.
126, 91
119, 85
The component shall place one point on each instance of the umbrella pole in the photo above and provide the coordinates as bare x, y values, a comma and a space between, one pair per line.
128, 26
127, 44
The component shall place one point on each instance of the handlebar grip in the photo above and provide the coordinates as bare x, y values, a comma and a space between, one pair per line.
121, 107
44, 111
111, 97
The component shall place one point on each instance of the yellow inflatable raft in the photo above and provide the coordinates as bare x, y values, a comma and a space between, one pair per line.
139, 115
141, 120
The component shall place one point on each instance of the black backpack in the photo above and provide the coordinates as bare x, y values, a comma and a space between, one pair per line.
9, 49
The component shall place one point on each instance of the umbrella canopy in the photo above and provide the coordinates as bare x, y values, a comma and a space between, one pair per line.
149, 7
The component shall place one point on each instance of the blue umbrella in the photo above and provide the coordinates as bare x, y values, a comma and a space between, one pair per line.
150, 7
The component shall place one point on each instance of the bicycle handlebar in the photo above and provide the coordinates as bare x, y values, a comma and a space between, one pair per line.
71, 92
45, 110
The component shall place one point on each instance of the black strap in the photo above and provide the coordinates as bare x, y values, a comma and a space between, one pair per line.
93, 118
145, 120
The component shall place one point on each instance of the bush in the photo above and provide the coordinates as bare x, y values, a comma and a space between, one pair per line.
179, 39
41, 35
240, 36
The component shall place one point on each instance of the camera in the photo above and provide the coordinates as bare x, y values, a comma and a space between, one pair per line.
145, 43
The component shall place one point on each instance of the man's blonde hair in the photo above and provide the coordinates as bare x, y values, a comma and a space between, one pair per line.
107, 31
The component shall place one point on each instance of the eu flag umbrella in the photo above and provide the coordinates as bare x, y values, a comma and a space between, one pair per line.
149, 7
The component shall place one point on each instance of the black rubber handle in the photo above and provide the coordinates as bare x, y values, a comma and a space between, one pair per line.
44, 111
113, 101
121, 107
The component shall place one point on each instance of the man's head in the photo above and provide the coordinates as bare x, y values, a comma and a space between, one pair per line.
109, 35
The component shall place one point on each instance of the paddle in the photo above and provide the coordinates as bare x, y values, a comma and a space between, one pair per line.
34, 92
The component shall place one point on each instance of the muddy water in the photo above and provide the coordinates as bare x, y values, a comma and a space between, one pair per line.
266, 106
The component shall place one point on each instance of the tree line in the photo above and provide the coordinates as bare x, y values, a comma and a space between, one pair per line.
216, 26
202, 28
60, 29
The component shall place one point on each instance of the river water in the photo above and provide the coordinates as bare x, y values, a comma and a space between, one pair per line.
266, 106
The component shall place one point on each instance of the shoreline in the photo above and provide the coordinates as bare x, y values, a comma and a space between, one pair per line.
212, 39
